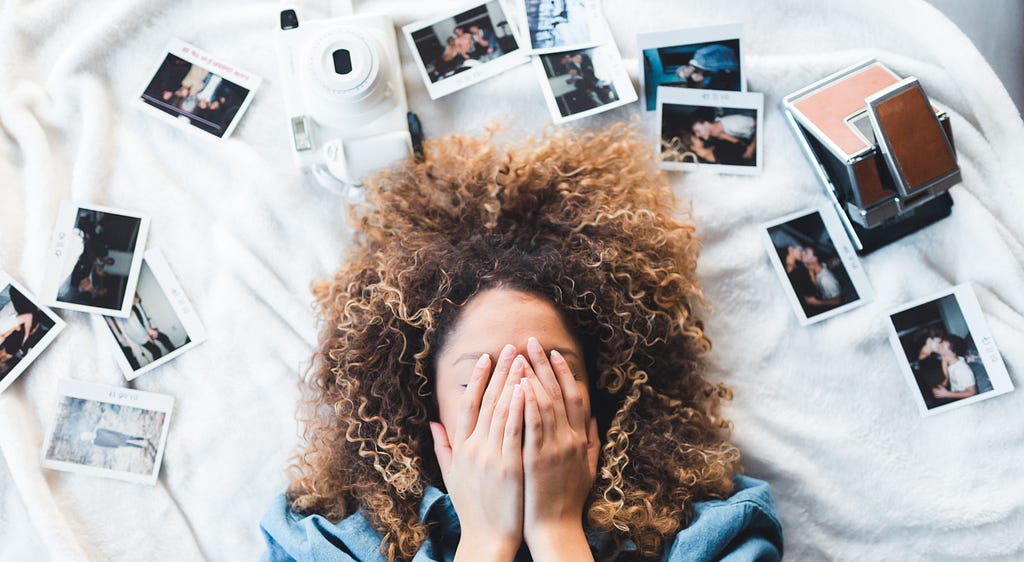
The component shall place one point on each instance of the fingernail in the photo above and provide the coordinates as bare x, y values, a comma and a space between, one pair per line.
518, 362
508, 350
484, 360
524, 380
532, 343
556, 355
517, 391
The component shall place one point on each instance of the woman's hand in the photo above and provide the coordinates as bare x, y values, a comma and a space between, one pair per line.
482, 466
560, 448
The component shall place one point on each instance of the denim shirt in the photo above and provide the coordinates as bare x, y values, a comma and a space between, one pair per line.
739, 528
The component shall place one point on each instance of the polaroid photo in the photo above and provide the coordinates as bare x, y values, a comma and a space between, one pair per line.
162, 324
94, 259
700, 58
192, 89
710, 130
459, 49
585, 82
566, 25
817, 264
26, 329
108, 431
946, 351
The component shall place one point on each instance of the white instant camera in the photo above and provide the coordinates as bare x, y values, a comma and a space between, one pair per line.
347, 112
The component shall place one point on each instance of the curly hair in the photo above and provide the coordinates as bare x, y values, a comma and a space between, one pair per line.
583, 219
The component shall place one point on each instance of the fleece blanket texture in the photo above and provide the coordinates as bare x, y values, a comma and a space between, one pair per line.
822, 413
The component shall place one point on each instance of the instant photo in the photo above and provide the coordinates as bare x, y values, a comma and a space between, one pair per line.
581, 83
563, 25
108, 431
946, 351
26, 329
94, 259
706, 129
455, 51
817, 265
161, 325
193, 89
704, 58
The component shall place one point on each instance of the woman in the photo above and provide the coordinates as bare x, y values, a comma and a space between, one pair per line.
958, 378
830, 291
510, 367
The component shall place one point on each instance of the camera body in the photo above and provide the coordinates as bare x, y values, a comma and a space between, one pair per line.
883, 152
345, 100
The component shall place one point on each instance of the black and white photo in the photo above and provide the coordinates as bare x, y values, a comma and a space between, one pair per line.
26, 329
710, 130
94, 259
584, 82
703, 58
162, 323
563, 25
190, 87
946, 351
108, 431
817, 265
460, 49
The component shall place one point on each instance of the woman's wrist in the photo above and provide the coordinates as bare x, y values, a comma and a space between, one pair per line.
477, 546
557, 542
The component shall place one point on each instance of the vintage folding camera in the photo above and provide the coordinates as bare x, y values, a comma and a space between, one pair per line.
883, 152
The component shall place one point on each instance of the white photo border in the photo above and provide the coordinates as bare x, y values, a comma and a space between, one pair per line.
977, 327
38, 348
684, 37
195, 55
156, 262
847, 254
714, 99
112, 395
622, 83
64, 227
472, 76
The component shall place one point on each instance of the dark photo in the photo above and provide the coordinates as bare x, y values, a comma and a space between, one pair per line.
710, 66
464, 41
99, 276
190, 92
812, 264
577, 82
943, 356
709, 135
23, 327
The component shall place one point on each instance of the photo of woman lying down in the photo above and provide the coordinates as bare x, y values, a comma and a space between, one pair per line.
511, 367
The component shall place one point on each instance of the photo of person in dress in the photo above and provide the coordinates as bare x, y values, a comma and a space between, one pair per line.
941, 351
105, 435
709, 66
23, 325
106, 244
152, 330
579, 81
709, 135
183, 89
558, 23
812, 264
464, 41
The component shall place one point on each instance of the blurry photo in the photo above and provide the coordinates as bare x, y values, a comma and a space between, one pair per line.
946, 351
817, 265
26, 329
196, 90
710, 129
455, 51
108, 431
561, 25
585, 82
162, 323
704, 58
94, 259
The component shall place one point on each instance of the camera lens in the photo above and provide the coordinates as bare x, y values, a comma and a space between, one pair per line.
342, 61
289, 20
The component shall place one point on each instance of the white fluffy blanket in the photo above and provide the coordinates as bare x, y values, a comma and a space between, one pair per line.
823, 413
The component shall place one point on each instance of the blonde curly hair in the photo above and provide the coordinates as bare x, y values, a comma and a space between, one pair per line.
582, 219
